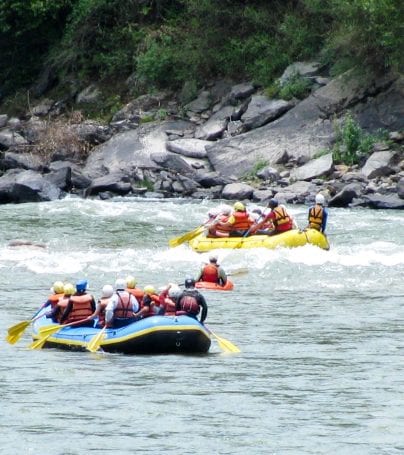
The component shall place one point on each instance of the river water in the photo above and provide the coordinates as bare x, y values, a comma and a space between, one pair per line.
321, 336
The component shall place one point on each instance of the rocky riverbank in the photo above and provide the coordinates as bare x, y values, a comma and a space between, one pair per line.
232, 142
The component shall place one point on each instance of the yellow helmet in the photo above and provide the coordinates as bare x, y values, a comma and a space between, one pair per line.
239, 207
69, 289
149, 290
131, 282
57, 287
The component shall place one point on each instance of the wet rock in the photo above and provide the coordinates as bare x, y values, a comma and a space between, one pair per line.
346, 195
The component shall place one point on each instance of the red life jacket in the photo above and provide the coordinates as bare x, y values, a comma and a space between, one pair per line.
124, 309
210, 273
189, 304
103, 302
136, 292
81, 309
316, 217
281, 219
242, 221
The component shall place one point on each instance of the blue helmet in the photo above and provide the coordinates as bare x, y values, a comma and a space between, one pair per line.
273, 203
81, 285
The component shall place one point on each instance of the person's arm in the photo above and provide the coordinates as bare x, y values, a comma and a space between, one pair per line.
199, 276
66, 313
145, 308
324, 220
134, 302
109, 312
222, 275
203, 304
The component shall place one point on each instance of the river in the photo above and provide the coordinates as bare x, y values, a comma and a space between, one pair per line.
321, 366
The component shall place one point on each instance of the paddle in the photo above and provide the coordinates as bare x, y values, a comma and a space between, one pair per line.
95, 342
225, 345
16, 331
186, 237
46, 332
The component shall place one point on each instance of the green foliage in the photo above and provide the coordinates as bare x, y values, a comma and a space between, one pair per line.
165, 43
352, 143
258, 166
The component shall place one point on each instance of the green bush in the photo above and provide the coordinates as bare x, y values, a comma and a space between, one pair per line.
352, 143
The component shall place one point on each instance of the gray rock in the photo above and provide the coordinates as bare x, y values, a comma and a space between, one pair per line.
89, 95
315, 168
200, 104
13, 160
3, 120
237, 191
262, 110
386, 201
304, 69
10, 138
61, 178
216, 125
194, 148
346, 195
209, 179
378, 164
241, 91
114, 183
400, 188
172, 162
268, 173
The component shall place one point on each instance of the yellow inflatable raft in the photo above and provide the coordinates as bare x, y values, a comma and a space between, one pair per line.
289, 239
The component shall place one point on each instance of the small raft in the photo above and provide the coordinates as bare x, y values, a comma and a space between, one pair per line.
152, 335
290, 239
214, 286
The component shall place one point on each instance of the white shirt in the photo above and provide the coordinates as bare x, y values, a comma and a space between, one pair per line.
113, 303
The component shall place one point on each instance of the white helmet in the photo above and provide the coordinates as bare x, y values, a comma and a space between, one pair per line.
320, 199
174, 292
120, 284
107, 291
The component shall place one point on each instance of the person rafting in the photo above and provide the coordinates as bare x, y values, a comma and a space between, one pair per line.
279, 216
318, 214
57, 311
80, 307
238, 223
220, 227
132, 289
57, 290
190, 301
168, 298
212, 272
122, 306
99, 313
150, 303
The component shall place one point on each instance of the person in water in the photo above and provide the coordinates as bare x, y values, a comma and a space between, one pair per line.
212, 272
122, 306
80, 307
280, 218
99, 313
318, 214
190, 301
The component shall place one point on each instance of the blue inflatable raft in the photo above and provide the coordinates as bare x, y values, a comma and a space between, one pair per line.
152, 335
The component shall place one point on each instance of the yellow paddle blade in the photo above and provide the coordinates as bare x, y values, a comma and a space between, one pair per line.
224, 344
18, 329
96, 341
186, 237
38, 344
12, 339
50, 329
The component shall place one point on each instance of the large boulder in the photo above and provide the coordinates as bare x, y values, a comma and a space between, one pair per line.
315, 168
193, 148
400, 188
130, 150
237, 191
378, 164
262, 110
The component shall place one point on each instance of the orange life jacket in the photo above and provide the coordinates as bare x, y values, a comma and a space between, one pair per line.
82, 307
210, 273
242, 221
153, 307
54, 299
282, 220
316, 217
222, 225
124, 309
136, 292
103, 302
